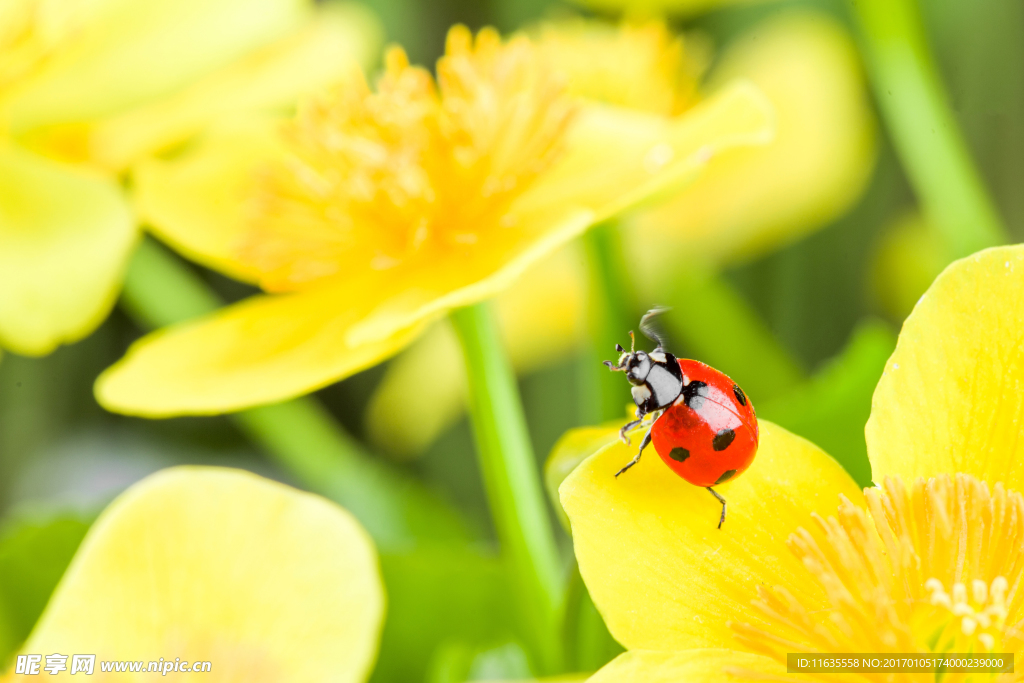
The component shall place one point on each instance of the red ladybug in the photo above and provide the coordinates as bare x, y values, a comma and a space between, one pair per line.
704, 426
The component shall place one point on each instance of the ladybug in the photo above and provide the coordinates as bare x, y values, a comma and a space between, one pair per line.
704, 426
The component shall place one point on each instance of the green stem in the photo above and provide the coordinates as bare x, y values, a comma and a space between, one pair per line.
924, 130
512, 478
300, 434
603, 395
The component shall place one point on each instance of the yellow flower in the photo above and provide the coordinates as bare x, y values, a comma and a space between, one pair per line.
930, 560
658, 7
754, 200
215, 565
909, 255
374, 212
641, 66
747, 201
86, 87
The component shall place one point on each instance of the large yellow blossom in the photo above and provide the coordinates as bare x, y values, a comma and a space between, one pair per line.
205, 564
86, 87
931, 559
746, 202
375, 211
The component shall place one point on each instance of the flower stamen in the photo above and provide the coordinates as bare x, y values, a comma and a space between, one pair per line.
881, 575
412, 170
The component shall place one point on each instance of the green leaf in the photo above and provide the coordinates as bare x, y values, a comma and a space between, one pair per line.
459, 662
446, 605
832, 407
589, 644
714, 323
34, 552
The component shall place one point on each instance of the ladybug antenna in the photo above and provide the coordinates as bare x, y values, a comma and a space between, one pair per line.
612, 366
650, 327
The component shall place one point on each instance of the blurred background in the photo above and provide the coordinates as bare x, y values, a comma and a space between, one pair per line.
822, 289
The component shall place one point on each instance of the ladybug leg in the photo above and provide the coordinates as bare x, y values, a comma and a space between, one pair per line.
721, 520
622, 432
643, 444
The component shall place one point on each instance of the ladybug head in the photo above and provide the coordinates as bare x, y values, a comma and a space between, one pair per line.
636, 364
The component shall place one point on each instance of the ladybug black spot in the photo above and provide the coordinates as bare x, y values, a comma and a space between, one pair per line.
679, 454
726, 476
723, 439
740, 396
695, 394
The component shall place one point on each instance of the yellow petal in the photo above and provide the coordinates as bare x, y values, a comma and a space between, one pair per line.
65, 237
220, 565
196, 203
263, 350
575, 446
753, 199
325, 52
136, 51
661, 574
540, 318
617, 158
951, 398
692, 666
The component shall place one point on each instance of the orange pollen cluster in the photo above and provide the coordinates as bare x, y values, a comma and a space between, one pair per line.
416, 166
878, 577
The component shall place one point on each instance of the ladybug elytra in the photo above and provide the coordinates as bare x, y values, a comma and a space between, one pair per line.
704, 426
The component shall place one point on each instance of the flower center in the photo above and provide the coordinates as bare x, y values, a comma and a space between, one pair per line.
979, 616
413, 169
638, 66
882, 573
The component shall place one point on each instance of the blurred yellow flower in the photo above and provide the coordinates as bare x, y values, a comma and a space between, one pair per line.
374, 212
206, 564
643, 8
929, 561
907, 258
86, 87
641, 66
754, 200
747, 201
